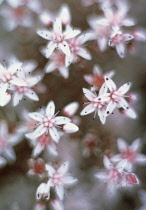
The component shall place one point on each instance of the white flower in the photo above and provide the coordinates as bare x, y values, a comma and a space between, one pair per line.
9, 76
20, 91
116, 18
115, 98
34, 5
16, 16
48, 123
94, 104
112, 175
7, 141
130, 153
60, 178
118, 40
77, 49
97, 79
41, 143
57, 37
43, 191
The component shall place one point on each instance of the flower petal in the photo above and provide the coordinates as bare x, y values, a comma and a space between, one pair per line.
110, 84
60, 191
61, 120
88, 109
46, 34
88, 94
69, 180
54, 134
50, 109
50, 48
122, 145
70, 128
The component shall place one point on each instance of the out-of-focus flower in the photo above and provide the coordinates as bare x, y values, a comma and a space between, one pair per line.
58, 178
16, 16
43, 142
116, 18
57, 37
90, 145
48, 123
47, 18
57, 62
34, 5
7, 141
37, 167
130, 153
112, 176
43, 191
99, 32
97, 79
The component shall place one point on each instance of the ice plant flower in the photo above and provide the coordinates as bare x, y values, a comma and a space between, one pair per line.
5, 97
41, 143
48, 123
43, 191
116, 97
112, 175
57, 62
7, 141
77, 49
94, 104
97, 79
130, 153
119, 40
58, 178
57, 37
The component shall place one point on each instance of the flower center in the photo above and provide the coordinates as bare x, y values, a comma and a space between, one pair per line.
58, 37
21, 89
129, 154
49, 122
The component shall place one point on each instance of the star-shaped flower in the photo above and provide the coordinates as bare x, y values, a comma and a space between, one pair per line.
58, 178
58, 38
48, 123
130, 153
